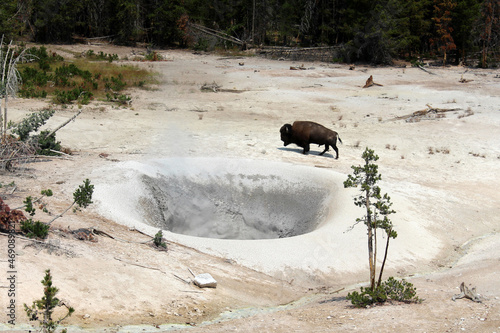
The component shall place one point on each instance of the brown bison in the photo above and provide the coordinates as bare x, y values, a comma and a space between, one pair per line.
303, 133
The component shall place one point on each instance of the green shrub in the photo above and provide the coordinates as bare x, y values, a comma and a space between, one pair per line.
401, 291
392, 289
31, 75
34, 229
158, 240
28, 206
48, 143
83, 195
114, 83
31, 123
41, 54
44, 64
153, 56
118, 98
101, 56
77, 94
29, 91
203, 44
367, 297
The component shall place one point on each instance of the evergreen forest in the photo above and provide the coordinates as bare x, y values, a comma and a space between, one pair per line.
374, 31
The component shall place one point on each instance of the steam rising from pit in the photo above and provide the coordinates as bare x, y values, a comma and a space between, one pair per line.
219, 198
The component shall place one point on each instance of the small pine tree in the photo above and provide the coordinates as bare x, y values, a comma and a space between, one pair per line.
377, 206
158, 240
42, 309
82, 198
83, 195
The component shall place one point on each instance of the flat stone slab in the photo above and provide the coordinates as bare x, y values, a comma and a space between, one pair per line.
205, 280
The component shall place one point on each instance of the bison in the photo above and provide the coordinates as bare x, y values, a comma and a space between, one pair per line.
303, 133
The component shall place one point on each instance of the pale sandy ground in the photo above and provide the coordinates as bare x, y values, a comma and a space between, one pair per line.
447, 202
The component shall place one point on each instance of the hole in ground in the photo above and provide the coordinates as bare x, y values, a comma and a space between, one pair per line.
233, 200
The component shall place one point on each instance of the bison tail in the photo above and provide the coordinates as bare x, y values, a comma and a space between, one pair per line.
340, 139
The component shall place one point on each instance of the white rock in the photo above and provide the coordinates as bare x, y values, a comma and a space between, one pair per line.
205, 280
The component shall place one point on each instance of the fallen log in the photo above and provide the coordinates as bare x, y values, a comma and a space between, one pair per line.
64, 124
462, 80
210, 87
425, 70
214, 87
423, 113
216, 33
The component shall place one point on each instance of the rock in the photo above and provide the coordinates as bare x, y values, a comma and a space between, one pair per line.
205, 280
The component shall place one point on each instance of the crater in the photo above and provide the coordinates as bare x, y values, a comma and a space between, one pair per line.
222, 198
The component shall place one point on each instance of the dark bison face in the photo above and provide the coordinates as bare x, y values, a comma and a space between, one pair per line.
286, 134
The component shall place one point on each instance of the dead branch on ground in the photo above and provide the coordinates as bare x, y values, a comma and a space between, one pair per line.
370, 82
424, 113
214, 87
425, 70
462, 80
63, 124
14, 152
465, 292
139, 265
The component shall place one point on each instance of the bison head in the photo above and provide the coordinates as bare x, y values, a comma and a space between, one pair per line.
286, 134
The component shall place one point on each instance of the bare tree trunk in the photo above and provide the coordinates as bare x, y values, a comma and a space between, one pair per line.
385, 258
5, 116
371, 257
1, 122
375, 247
64, 124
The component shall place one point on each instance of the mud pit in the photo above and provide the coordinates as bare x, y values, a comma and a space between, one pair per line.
225, 199
272, 216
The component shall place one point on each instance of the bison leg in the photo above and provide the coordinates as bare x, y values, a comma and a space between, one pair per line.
326, 149
306, 149
334, 146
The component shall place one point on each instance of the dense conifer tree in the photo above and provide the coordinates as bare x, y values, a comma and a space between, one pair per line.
373, 31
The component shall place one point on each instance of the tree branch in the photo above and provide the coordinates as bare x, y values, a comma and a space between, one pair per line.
63, 124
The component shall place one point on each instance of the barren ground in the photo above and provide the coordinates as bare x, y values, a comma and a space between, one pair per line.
445, 168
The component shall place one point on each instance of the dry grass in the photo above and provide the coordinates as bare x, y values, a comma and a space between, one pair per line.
131, 74
101, 73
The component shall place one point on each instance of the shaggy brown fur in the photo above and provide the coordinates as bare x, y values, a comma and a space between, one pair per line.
303, 133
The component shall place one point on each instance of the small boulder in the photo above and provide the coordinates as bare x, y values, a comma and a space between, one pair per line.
205, 280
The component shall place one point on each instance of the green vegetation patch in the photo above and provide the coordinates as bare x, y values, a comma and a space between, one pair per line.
80, 81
